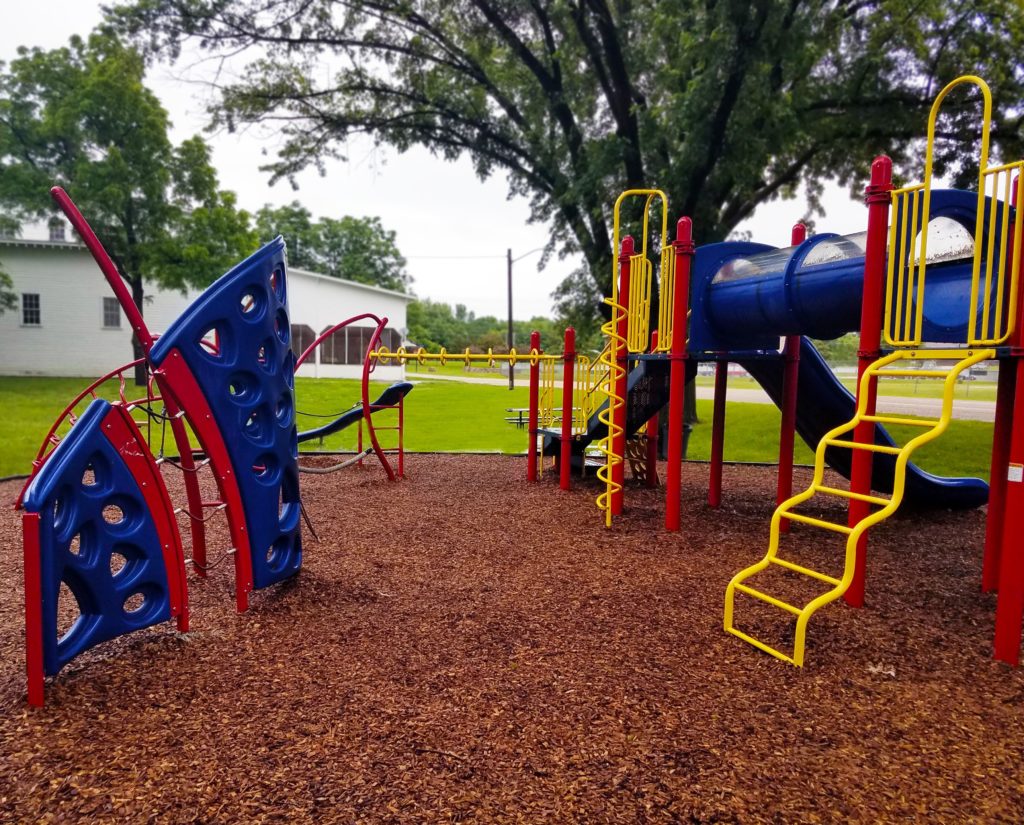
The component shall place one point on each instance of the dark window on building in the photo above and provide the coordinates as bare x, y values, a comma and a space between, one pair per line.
31, 316
302, 337
57, 230
111, 313
332, 348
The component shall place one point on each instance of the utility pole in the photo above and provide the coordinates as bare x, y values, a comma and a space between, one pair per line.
511, 334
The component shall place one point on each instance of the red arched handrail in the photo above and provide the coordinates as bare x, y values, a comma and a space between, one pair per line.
368, 366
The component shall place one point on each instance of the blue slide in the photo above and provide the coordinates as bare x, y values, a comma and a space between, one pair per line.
389, 398
824, 403
746, 295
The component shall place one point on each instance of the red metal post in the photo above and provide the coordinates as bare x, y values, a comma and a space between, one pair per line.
718, 433
33, 609
531, 427
683, 245
565, 458
621, 356
790, 380
651, 464
878, 199
1010, 607
1007, 518
401, 437
1002, 433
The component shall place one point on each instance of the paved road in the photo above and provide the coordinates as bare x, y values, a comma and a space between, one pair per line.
964, 408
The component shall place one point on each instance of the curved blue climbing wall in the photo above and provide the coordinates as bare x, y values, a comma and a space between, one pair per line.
99, 539
235, 340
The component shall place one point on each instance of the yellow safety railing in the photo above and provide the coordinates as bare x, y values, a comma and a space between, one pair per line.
933, 428
667, 284
908, 244
635, 340
581, 393
402, 356
547, 398
613, 369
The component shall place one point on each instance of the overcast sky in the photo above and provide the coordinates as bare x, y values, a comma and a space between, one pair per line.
437, 208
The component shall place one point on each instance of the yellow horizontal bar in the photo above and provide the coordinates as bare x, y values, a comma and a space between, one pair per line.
835, 491
806, 571
994, 170
937, 354
893, 419
757, 594
883, 373
761, 646
853, 445
817, 522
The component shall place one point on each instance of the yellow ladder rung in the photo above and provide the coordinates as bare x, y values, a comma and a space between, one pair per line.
835, 491
817, 522
806, 571
875, 448
757, 594
761, 645
884, 373
892, 419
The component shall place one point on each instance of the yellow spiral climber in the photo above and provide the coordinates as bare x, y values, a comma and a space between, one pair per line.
610, 359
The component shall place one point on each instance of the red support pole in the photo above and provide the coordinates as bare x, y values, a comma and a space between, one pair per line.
531, 427
790, 380
1002, 434
878, 199
33, 609
1010, 607
1007, 518
622, 379
718, 433
565, 457
683, 245
651, 463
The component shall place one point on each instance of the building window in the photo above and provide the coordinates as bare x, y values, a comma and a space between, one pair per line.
57, 230
111, 314
30, 312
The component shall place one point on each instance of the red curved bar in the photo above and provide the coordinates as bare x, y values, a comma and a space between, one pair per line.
106, 265
327, 333
368, 366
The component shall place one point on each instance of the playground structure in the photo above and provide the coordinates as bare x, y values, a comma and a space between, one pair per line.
99, 520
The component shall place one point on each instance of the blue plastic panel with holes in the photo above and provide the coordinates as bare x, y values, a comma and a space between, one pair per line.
235, 339
97, 539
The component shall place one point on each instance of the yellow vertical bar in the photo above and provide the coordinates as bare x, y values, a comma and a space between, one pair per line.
915, 264
990, 260
926, 207
901, 263
891, 273
1001, 273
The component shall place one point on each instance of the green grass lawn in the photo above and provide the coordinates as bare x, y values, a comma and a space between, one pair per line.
452, 416
975, 390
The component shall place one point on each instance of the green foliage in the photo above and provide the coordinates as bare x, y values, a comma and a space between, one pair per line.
8, 298
725, 105
841, 351
357, 249
80, 117
433, 325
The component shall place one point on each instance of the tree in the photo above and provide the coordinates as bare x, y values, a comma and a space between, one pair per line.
724, 105
81, 117
357, 249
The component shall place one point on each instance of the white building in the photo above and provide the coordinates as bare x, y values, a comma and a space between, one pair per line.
68, 323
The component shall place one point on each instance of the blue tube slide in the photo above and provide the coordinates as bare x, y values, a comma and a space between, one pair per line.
746, 295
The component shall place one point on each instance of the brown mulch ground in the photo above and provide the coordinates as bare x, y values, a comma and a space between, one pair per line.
464, 646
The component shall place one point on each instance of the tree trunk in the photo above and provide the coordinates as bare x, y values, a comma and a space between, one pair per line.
141, 370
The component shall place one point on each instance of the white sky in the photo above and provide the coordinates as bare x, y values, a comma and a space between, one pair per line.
437, 208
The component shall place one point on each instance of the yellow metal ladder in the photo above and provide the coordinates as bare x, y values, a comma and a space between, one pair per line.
891, 366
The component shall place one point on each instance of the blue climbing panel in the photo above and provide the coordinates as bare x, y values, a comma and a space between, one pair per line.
235, 340
98, 538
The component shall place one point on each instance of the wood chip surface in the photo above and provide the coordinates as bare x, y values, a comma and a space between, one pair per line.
462, 646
